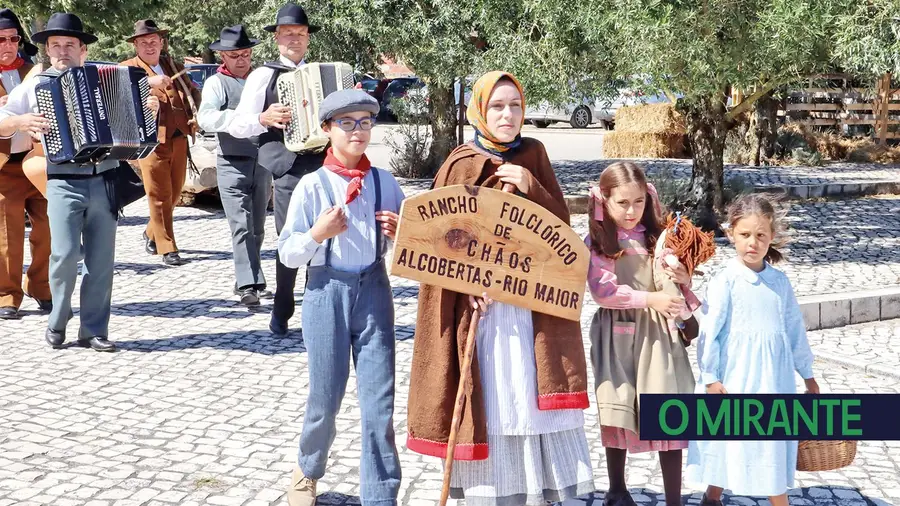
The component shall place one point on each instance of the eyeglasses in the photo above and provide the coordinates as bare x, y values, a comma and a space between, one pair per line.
349, 125
234, 56
14, 39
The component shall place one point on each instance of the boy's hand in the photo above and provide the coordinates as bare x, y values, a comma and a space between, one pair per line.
716, 388
389, 222
811, 386
330, 223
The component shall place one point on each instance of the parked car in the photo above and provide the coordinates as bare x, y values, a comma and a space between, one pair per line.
374, 87
579, 114
199, 72
396, 89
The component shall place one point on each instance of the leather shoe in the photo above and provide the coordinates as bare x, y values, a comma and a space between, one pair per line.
172, 259
46, 306
9, 313
55, 338
149, 246
279, 328
97, 343
265, 294
249, 297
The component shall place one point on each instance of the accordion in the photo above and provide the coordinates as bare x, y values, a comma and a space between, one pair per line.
97, 112
303, 91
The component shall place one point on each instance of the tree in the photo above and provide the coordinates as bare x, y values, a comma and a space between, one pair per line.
701, 50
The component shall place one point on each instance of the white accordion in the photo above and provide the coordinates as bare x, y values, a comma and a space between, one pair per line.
303, 90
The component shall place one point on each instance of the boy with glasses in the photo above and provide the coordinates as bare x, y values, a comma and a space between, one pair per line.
243, 184
338, 223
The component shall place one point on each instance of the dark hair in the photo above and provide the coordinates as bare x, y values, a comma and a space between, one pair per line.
755, 204
604, 237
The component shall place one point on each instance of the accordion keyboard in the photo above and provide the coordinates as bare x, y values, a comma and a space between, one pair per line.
52, 139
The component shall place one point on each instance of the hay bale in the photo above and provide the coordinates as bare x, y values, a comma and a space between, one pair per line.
618, 144
650, 118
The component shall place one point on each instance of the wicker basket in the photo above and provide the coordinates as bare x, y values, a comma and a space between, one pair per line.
817, 456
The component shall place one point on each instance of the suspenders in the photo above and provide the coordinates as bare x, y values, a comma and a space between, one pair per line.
326, 186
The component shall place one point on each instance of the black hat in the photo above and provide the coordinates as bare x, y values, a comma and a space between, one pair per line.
8, 19
292, 14
232, 38
66, 25
146, 27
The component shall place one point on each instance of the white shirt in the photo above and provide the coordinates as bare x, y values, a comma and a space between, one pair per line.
505, 347
209, 116
22, 99
158, 69
246, 119
21, 141
354, 249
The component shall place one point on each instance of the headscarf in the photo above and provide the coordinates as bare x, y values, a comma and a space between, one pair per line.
478, 108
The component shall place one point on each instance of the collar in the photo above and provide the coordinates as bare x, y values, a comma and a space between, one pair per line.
636, 233
288, 63
768, 275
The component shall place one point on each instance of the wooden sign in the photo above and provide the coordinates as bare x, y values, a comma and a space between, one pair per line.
473, 240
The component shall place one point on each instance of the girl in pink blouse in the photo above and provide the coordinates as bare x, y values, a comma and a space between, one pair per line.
635, 348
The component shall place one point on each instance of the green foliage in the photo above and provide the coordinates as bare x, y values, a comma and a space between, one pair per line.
868, 39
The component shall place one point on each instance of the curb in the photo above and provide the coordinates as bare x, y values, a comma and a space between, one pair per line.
852, 363
578, 204
839, 309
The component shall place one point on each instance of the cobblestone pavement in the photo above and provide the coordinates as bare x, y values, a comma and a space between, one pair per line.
872, 347
203, 406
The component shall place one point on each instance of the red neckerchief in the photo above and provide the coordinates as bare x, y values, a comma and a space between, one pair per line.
18, 62
356, 175
224, 70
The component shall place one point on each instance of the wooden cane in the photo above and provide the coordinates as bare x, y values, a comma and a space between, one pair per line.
465, 370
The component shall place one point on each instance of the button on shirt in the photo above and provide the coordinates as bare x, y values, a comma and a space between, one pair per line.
21, 141
246, 119
352, 250
209, 116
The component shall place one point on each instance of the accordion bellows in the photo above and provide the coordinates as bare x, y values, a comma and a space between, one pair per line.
303, 91
97, 112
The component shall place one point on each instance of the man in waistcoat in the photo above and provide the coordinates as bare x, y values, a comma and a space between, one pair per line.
17, 194
260, 114
165, 169
81, 209
243, 184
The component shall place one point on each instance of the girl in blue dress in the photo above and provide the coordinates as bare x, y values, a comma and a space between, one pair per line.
752, 341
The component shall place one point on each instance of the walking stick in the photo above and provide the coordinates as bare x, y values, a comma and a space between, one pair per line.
465, 369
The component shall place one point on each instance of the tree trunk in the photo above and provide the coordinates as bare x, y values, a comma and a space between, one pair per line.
763, 131
443, 126
707, 127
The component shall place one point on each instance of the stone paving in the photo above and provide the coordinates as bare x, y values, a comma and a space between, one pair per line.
203, 406
871, 347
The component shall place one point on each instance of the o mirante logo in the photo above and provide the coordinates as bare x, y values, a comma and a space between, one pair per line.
769, 416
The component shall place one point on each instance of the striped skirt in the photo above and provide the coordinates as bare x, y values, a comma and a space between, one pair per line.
526, 470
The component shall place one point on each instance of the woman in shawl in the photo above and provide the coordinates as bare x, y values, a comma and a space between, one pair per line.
521, 440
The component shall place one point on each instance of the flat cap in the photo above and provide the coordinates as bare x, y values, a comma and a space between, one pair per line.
344, 101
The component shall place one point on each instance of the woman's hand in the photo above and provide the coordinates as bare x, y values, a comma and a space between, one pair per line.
480, 304
667, 305
516, 175
716, 388
811, 386
389, 222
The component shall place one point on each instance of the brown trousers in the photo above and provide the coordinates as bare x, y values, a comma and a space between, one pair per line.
163, 173
18, 195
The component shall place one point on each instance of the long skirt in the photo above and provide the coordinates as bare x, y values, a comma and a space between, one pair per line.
526, 470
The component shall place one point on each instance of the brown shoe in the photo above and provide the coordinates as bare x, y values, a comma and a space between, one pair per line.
302, 491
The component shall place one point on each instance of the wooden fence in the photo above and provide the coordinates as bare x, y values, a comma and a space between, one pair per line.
833, 102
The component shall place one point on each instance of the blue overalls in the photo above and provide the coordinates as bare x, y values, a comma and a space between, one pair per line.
351, 315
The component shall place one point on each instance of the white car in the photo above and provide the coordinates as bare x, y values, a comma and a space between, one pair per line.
579, 115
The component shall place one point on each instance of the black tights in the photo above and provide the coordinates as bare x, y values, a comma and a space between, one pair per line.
669, 461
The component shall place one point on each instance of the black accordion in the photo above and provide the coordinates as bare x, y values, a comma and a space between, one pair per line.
97, 112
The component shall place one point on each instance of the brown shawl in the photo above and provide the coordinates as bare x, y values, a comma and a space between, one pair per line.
444, 317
